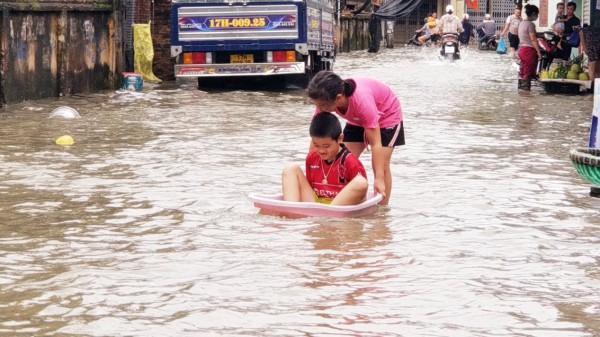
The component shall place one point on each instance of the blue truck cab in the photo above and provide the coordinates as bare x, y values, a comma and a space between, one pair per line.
232, 38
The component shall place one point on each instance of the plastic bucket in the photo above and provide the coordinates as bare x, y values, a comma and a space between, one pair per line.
133, 82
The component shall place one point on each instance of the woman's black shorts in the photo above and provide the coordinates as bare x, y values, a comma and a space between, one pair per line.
390, 137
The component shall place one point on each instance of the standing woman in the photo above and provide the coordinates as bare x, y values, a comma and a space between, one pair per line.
529, 50
373, 117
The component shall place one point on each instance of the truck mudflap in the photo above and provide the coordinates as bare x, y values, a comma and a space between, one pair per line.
239, 69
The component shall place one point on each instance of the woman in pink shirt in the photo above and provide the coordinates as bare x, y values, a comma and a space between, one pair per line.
373, 117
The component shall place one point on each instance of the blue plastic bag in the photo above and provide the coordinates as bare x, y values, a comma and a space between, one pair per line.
573, 39
501, 49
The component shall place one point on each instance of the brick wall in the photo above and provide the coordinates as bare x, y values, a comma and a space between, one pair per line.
163, 63
143, 12
158, 14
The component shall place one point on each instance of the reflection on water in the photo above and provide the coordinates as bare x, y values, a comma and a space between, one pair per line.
144, 227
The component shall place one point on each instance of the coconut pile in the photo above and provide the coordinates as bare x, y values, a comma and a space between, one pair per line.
574, 71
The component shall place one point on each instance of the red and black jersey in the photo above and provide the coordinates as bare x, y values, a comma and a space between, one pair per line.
328, 179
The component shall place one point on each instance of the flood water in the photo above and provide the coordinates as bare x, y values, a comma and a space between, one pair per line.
144, 226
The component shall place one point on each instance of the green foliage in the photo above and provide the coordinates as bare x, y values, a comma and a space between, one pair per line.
562, 71
577, 60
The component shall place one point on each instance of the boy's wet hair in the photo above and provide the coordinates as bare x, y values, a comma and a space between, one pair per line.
325, 125
326, 85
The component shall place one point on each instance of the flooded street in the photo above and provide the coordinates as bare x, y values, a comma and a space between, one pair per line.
144, 226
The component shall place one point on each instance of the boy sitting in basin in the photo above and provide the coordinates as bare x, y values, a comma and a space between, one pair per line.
333, 174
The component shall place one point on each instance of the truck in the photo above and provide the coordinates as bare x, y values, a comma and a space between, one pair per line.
290, 40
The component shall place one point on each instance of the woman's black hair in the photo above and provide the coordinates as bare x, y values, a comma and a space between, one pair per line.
325, 124
531, 9
326, 85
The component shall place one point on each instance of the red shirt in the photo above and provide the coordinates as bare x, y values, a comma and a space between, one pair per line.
343, 169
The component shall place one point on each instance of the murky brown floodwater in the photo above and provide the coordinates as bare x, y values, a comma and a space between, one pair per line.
144, 226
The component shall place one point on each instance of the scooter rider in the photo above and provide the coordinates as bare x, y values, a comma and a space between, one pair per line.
429, 29
450, 23
487, 29
465, 36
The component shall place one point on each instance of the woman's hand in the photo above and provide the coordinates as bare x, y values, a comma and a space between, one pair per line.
379, 186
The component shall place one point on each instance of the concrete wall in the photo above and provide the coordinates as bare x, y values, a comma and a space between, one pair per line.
55, 48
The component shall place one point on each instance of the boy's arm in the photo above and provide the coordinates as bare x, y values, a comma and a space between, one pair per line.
356, 186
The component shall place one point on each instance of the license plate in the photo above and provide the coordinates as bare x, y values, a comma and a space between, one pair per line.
449, 49
241, 58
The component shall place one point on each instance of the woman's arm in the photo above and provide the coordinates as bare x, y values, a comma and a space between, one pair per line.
377, 159
534, 42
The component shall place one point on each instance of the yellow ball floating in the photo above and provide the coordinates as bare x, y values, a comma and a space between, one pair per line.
65, 140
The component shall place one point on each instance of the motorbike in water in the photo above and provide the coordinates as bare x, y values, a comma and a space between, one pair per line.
488, 42
449, 48
414, 41
549, 48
